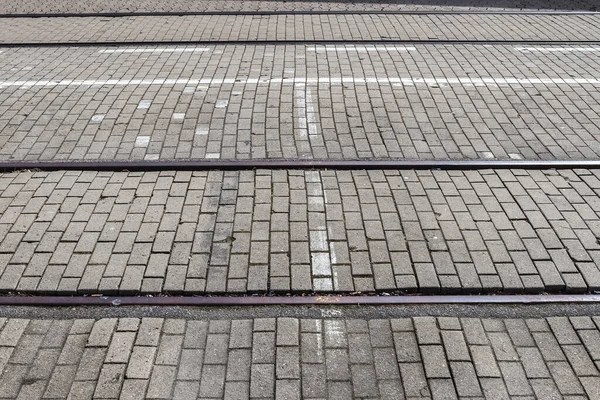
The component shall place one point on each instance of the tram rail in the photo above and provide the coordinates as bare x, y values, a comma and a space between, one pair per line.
297, 42
201, 165
286, 12
314, 300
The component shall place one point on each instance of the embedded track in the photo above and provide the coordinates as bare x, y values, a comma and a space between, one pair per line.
203, 301
300, 12
294, 42
237, 165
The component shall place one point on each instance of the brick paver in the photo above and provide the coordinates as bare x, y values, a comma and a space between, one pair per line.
300, 231
293, 358
62, 6
302, 27
239, 102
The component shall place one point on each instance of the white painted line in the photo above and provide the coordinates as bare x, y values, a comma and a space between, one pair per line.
179, 116
97, 118
359, 49
300, 103
152, 157
318, 241
307, 106
312, 176
311, 114
515, 156
221, 103
332, 249
156, 50
299, 81
212, 155
558, 49
487, 155
322, 285
201, 131
315, 202
320, 264
144, 104
142, 141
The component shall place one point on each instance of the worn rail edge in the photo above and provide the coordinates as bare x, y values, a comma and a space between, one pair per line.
296, 42
118, 14
289, 300
199, 165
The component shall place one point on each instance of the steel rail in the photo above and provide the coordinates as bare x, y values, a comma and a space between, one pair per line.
65, 301
193, 165
297, 42
118, 14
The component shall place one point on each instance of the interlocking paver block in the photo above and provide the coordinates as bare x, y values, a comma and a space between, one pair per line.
355, 258
314, 368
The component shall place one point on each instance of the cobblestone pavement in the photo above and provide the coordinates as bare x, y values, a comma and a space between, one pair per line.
300, 231
302, 27
71, 6
239, 102
289, 358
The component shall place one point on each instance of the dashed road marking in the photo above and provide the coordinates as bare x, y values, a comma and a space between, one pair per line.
359, 49
311, 114
306, 104
144, 104
142, 141
156, 50
558, 49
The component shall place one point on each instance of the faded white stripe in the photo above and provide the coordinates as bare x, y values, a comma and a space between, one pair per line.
155, 50
311, 114
558, 49
359, 49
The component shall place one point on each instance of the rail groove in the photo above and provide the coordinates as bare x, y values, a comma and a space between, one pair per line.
289, 12
192, 165
294, 42
291, 300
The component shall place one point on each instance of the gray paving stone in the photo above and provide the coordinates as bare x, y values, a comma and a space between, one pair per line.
543, 367
137, 273
140, 362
